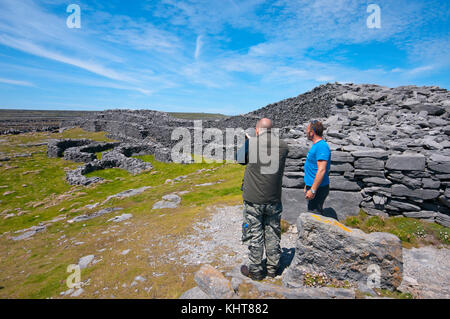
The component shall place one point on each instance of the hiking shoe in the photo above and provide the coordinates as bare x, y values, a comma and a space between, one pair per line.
254, 276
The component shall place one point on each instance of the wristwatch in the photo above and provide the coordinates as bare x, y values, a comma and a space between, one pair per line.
312, 191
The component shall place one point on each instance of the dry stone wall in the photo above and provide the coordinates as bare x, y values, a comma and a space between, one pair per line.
390, 156
118, 155
390, 146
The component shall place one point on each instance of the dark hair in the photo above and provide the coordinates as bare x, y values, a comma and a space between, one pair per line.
317, 127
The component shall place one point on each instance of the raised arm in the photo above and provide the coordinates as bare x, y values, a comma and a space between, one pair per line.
242, 153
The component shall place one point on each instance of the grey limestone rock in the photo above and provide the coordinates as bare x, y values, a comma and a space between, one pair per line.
402, 190
326, 246
369, 163
85, 261
194, 293
213, 283
406, 162
168, 201
342, 183
344, 157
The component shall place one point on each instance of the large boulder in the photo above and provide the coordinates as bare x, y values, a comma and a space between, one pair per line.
345, 254
443, 167
213, 285
294, 203
194, 293
293, 180
297, 151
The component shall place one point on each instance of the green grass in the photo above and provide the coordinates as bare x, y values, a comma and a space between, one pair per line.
412, 232
36, 268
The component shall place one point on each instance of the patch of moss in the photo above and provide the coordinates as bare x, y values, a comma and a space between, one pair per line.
393, 294
412, 232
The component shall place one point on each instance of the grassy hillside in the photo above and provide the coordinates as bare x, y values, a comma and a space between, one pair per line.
34, 190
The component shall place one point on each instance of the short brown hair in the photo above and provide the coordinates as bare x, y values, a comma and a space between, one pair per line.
317, 127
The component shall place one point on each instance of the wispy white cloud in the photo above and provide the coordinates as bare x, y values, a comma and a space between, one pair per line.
205, 74
208, 46
208, 17
420, 69
16, 82
137, 34
198, 46
103, 47
57, 77
31, 48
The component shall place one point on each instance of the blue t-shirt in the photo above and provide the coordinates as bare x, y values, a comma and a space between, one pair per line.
319, 151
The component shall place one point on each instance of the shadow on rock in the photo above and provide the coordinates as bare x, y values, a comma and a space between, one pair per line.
329, 212
287, 254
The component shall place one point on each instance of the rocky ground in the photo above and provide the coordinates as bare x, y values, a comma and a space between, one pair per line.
426, 272
217, 240
14, 121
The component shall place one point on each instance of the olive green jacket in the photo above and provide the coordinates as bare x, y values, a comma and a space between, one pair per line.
260, 187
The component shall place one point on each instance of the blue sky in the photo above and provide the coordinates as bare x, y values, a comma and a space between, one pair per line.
221, 56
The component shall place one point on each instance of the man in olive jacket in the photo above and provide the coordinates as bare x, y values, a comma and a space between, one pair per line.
262, 198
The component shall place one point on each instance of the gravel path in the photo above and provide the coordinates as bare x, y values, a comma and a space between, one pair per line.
218, 238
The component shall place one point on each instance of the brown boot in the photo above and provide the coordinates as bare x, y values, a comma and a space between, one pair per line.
254, 276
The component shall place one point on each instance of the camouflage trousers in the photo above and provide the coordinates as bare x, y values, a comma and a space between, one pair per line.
261, 229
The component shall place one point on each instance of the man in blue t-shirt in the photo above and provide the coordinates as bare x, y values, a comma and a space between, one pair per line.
317, 168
